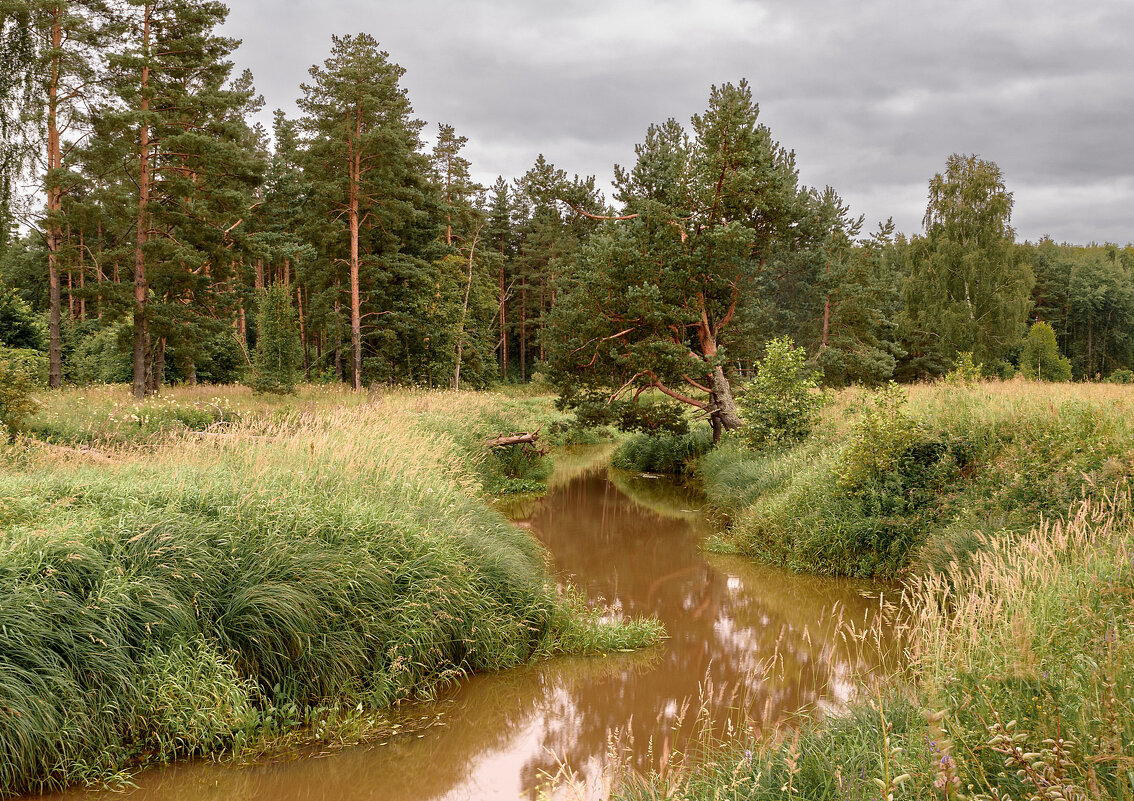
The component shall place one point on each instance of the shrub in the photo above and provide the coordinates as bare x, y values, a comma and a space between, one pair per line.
278, 356
1040, 358
16, 386
19, 327
781, 404
1121, 376
964, 371
879, 440
104, 357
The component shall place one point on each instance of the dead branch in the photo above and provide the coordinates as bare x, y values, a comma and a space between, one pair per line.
513, 439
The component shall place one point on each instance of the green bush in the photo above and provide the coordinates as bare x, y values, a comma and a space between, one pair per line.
879, 440
105, 356
1040, 358
964, 371
19, 326
781, 405
1121, 376
16, 386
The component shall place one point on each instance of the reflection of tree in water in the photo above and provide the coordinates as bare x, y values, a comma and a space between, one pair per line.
758, 639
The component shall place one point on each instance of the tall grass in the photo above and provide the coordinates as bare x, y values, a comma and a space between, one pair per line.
193, 594
673, 454
1018, 685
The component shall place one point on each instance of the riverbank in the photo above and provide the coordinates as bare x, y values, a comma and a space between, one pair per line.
908, 479
1018, 686
207, 573
1005, 508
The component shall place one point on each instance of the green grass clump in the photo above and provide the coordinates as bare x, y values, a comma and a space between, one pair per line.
344, 559
673, 454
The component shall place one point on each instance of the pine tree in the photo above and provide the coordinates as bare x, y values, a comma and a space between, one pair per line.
184, 120
69, 37
653, 300
361, 143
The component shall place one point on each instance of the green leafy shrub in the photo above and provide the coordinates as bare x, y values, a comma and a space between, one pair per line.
16, 386
19, 326
964, 371
781, 405
1121, 376
103, 357
879, 440
1040, 358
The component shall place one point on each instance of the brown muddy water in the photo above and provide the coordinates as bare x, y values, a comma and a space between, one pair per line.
745, 643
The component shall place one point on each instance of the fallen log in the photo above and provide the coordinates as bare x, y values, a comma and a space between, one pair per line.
82, 451
513, 439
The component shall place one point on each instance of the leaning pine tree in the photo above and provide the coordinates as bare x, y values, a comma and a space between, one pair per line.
657, 298
278, 357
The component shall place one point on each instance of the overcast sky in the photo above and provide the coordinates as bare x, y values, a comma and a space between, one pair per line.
872, 95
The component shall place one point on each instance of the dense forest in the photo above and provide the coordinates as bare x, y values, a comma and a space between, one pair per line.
160, 216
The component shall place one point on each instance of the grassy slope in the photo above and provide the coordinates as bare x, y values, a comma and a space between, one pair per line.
982, 458
187, 593
1020, 653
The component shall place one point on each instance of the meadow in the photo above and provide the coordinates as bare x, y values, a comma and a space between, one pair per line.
211, 573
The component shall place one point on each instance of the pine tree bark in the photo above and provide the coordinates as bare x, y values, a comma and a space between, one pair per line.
141, 334
523, 329
54, 210
352, 213
303, 334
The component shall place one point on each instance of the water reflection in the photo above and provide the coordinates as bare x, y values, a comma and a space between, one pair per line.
744, 639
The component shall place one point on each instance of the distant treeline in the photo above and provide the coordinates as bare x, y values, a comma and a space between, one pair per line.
162, 211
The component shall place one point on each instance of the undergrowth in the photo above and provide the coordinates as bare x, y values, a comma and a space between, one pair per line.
673, 454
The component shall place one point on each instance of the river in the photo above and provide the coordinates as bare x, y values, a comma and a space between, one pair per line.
748, 646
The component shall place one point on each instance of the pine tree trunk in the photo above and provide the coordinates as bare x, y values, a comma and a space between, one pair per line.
338, 331
503, 324
355, 310
723, 401
523, 329
82, 281
303, 334
54, 210
156, 368
141, 337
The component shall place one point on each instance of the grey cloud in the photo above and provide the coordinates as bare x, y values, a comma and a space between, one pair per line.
872, 96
